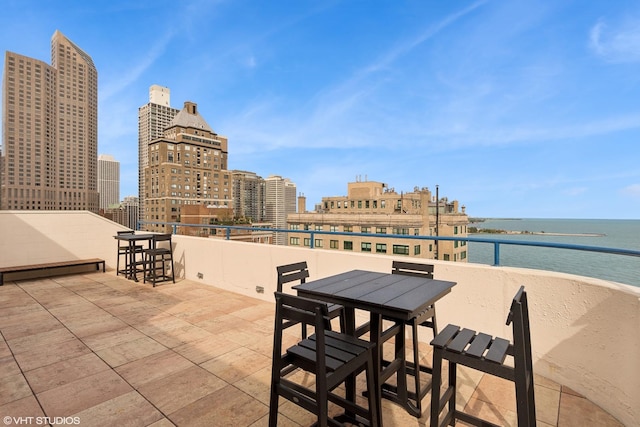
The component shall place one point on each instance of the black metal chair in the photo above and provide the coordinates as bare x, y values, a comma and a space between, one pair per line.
487, 354
155, 259
128, 252
298, 272
330, 356
427, 318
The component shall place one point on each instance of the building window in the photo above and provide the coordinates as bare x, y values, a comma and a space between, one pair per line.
318, 228
307, 241
365, 229
401, 249
383, 204
347, 228
381, 230
366, 204
446, 257
365, 247
416, 250
359, 204
294, 241
397, 230
333, 228
375, 204
334, 244
416, 231
294, 227
348, 246
381, 248
318, 243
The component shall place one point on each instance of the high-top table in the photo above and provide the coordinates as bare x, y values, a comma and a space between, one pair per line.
392, 296
131, 261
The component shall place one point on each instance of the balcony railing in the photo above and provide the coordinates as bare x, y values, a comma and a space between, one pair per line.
489, 241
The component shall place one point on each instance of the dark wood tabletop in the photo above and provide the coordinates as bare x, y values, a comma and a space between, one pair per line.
133, 237
390, 295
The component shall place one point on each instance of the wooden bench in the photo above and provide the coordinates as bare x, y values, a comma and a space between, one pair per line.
50, 266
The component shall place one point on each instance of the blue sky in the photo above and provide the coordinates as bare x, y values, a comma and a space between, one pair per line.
514, 108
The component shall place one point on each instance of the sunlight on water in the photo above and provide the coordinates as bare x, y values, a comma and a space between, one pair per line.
608, 233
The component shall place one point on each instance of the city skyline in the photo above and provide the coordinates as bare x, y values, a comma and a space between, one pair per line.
516, 109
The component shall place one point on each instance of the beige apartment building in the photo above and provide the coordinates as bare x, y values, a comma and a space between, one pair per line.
249, 191
153, 118
280, 201
108, 181
187, 166
50, 130
374, 209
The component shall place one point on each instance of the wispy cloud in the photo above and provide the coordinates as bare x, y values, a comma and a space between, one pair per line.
632, 190
408, 45
617, 43
475, 133
339, 115
120, 82
575, 191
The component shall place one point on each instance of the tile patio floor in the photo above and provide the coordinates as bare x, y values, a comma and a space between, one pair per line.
106, 351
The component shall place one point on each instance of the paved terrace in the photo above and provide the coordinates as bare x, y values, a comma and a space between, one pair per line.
107, 351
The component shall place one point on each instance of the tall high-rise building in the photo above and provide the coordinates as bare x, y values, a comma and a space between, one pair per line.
280, 200
187, 166
153, 119
248, 196
126, 213
50, 130
108, 181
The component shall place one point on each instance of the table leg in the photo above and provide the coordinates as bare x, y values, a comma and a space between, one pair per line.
375, 335
350, 322
400, 354
133, 274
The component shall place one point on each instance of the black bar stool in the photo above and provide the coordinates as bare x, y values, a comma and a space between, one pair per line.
128, 250
331, 357
487, 354
155, 259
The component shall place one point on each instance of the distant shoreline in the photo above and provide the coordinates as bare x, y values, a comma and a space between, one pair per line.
535, 233
477, 230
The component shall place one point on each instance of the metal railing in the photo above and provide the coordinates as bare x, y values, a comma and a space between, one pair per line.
495, 242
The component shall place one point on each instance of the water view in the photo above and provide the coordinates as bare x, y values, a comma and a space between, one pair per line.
623, 234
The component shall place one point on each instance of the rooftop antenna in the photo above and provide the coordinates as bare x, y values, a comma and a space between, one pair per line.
437, 218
